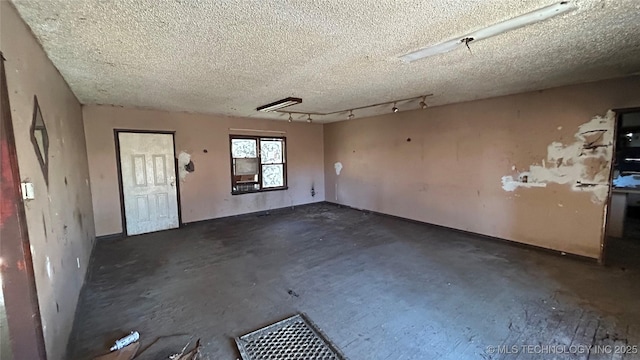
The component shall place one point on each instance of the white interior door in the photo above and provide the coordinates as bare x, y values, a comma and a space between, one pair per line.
148, 182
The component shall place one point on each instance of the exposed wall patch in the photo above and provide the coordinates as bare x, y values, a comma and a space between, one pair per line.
338, 167
510, 184
585, 163
183, 160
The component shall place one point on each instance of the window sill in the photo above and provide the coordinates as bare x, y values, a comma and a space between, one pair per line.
258, 191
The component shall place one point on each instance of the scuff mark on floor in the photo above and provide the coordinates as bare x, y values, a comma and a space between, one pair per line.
585, 163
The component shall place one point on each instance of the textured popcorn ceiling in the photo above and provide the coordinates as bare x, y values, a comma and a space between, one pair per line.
229, 57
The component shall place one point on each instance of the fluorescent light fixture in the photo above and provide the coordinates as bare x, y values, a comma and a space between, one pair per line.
280, 104
441, 48
493, 30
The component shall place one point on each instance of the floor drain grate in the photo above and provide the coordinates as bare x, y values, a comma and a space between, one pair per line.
295, 338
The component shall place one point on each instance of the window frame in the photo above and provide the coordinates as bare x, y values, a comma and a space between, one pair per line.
258, 139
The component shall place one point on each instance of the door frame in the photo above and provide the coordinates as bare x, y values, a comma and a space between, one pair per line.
116, 132
604, 240
20, 293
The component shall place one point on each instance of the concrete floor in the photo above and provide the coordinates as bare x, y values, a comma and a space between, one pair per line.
379, 287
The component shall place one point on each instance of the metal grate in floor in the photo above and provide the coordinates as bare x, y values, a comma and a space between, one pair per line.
295, 338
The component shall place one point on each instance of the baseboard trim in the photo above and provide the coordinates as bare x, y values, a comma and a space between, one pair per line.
268, 212
488, 237
110, 237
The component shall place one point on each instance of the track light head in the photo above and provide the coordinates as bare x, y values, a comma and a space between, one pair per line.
395, 108
309, 120
423, 103
290, 118
351, 116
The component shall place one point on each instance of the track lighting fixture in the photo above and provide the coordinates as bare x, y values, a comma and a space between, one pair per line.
351, 115
423, 103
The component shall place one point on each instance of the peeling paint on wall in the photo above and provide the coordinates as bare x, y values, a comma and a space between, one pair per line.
510, 184
338, 167
183, 160
585, 163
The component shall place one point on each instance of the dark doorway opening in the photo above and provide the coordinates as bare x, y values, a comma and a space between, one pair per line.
622, 246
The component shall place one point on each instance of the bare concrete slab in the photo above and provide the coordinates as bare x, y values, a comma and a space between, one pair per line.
379, 288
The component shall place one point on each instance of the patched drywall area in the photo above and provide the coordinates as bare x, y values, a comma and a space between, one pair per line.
184, 159
531, 168
204, 162
585, 164
338, 167
60, 217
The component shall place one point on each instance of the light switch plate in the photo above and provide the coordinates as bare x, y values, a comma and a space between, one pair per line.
28, 192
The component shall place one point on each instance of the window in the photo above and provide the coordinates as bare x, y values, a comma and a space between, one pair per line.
257, 164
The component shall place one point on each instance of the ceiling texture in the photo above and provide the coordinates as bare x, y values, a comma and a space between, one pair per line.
229, 57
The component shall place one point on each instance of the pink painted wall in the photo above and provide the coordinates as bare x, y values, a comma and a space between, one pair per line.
60, 218
450, 172
205, 193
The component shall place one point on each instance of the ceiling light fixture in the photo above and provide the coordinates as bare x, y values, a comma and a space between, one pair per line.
423, 103
280, 104
290, 118
492, 30
351, 115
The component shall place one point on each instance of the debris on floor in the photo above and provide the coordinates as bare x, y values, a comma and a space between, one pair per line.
129, 339
127, 349
126, 353
194, 354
